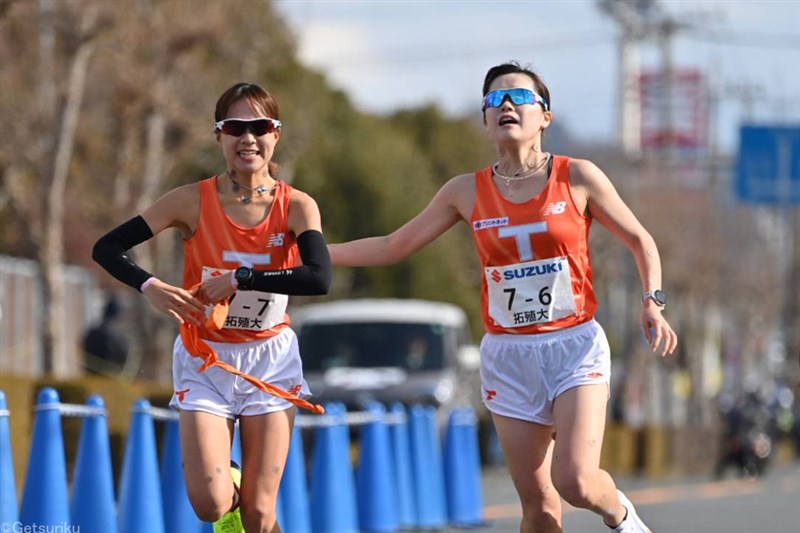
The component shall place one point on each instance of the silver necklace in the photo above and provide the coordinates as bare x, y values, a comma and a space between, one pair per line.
518, 176
258, 189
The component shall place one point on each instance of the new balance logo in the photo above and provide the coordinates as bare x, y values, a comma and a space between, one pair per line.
554, 208
490, 393
276, 239
295, 390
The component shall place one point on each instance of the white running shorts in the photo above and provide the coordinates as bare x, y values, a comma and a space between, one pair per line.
275, 360
521, 375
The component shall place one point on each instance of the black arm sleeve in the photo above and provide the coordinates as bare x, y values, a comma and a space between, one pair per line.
110, 251
312, 278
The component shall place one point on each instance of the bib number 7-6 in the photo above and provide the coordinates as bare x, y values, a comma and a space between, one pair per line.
535, 292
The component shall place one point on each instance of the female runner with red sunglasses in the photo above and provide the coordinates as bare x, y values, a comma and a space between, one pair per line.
545, 361
242, 231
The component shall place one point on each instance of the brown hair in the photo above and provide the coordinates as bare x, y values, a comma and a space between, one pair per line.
259, 100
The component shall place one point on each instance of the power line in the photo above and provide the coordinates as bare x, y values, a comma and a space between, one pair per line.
749, 39
433, 52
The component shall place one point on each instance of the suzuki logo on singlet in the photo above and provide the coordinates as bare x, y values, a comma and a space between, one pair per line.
555, 208
536, 270
496, 276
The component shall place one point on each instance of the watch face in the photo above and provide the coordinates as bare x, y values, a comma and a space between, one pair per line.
660, 297
244, 277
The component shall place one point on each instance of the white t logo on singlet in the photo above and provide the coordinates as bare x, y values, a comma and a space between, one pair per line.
246, 260
522, 234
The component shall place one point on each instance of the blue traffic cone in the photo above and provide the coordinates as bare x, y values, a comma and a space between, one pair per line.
45, 500
333, 499
236, 445
474, 459
375, 480
8, 484
279, 515
293, 494
178, 512
462, 469
140, 491
401, 450
426, 460
93, 507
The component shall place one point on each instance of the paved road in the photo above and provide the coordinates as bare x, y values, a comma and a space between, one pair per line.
769, 505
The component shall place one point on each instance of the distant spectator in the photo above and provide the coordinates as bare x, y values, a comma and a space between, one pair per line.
105, 346
417, 353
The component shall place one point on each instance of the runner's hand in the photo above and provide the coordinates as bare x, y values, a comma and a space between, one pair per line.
657, 330
176, 302
216, 289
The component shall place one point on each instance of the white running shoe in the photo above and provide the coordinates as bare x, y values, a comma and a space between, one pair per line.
632, 522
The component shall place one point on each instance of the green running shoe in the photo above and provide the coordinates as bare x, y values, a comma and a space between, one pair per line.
231, 522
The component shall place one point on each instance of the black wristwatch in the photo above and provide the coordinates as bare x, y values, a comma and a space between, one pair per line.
244, 278
657, 296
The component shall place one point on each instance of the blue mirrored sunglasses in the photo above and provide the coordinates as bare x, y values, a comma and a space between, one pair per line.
518, 96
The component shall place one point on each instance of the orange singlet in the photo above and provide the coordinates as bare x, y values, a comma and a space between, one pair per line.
537, 269
218, 246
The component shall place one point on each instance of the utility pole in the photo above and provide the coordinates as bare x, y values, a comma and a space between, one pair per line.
641, 21
630, 108
650, 119
668, 27
631, 17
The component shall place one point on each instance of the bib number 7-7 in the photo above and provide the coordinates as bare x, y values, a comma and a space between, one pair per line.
535, 292
252, 310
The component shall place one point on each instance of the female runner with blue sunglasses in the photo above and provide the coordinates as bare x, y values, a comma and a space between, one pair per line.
245, 233
545, 361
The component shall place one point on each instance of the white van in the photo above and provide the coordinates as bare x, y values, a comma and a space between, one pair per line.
388, 350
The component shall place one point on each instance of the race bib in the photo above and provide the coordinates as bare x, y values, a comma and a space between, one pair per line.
529, 293
252, 310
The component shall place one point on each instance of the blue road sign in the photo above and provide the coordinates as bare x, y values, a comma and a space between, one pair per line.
769, 165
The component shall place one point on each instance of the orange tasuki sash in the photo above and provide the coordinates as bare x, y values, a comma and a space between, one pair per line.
197, 347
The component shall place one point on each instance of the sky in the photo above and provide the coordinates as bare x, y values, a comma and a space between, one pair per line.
389, 55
